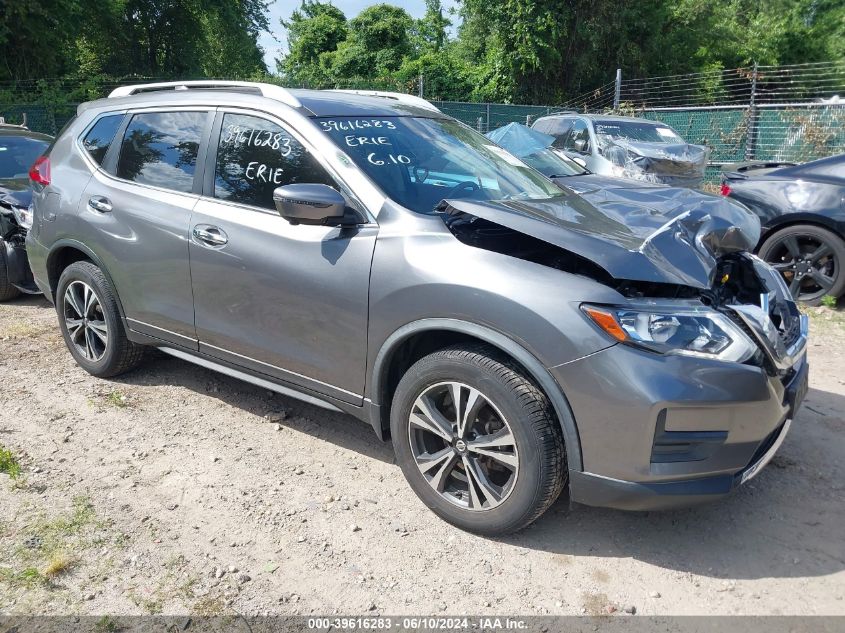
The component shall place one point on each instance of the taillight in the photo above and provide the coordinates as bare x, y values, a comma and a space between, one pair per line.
725, 189
40, 170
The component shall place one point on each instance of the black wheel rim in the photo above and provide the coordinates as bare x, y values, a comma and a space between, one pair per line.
463, 446
807, 263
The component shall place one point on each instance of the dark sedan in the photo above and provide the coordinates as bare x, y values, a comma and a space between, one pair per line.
802, 211
19, 148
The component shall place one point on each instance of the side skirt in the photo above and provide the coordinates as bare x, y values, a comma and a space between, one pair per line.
263, 382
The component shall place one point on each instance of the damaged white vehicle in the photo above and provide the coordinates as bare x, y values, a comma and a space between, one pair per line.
627, 147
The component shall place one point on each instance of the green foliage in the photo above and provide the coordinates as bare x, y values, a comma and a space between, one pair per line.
829, 301
518, 51
161, 38
9, 464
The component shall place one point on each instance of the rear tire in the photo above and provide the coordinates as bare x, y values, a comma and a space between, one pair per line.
7, 290
809, 258
507, 464
91, 324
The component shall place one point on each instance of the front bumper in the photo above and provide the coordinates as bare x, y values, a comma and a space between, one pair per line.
17, 264
660, 432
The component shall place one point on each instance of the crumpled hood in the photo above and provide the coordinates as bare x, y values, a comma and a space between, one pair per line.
660, 234
15, 192
669, 163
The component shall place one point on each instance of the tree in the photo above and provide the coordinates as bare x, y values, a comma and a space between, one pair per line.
431, 28
313, 29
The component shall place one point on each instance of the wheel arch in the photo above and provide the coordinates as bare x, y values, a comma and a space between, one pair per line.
420, 338
66, 252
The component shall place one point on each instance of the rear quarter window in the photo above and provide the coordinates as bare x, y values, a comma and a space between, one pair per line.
96, 142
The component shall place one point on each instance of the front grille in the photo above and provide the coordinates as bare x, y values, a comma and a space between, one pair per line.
790, 332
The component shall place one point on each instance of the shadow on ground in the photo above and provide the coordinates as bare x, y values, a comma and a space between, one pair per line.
785, 523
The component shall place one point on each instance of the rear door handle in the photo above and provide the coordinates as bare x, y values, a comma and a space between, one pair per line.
210, 235
101, 204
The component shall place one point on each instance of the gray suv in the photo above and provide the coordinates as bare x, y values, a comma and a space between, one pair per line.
366, 253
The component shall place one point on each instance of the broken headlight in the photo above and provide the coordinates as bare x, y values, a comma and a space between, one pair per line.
701, 333
23, 215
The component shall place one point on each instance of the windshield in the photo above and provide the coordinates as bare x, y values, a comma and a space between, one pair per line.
551, 164
418, 161
17, 153
636, 131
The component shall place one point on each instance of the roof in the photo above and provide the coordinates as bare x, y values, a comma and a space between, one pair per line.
311, 102
603, 117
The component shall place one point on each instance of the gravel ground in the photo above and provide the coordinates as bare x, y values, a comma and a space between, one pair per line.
176, 490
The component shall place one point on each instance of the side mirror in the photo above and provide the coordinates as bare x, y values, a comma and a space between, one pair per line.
311, 204
582, 145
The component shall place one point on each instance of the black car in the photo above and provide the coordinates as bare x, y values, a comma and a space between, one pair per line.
19, 149
802, 211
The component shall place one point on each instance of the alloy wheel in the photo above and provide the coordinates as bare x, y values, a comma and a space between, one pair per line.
807, 263
85, 321
463, 446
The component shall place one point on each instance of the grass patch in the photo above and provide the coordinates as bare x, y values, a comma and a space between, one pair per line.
47, 551
8, 463
27, 578
829, 301
106, 624
59, 563
24, 329
116, 399
208, 606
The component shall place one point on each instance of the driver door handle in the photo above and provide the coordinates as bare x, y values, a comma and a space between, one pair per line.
101, 204
208, 235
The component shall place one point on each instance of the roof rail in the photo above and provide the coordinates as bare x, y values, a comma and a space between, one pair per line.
271, 91
401, 97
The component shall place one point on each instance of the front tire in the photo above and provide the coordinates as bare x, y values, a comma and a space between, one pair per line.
90, 322
492, 464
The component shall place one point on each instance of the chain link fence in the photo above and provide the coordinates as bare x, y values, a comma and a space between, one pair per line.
788, 113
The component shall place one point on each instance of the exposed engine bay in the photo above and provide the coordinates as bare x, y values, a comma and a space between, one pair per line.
740, 285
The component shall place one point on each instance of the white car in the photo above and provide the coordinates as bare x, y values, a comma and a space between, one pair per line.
627, 147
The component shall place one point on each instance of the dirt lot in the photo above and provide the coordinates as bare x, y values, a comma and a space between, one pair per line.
175, 490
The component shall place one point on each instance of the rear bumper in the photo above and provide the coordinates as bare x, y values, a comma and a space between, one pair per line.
38, 264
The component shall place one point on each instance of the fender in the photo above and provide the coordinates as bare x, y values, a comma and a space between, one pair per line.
530, 362
830, 219
70, 243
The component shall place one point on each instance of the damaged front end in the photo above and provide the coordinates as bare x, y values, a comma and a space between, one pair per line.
692, 285
679, 164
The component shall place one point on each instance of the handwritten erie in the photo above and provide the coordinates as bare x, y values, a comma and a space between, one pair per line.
259, 172
238, 135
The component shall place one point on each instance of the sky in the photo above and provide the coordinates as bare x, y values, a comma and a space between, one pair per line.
275, 43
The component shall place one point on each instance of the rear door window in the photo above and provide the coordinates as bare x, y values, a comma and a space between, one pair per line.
160, 149
559, 128
99, 137
254, 156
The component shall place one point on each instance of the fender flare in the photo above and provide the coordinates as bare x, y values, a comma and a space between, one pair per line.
79, 246
535, 368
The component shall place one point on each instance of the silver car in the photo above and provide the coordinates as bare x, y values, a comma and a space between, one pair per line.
368, 254
627, 147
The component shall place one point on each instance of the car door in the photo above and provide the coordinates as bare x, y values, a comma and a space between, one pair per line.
137, 213
289, 301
